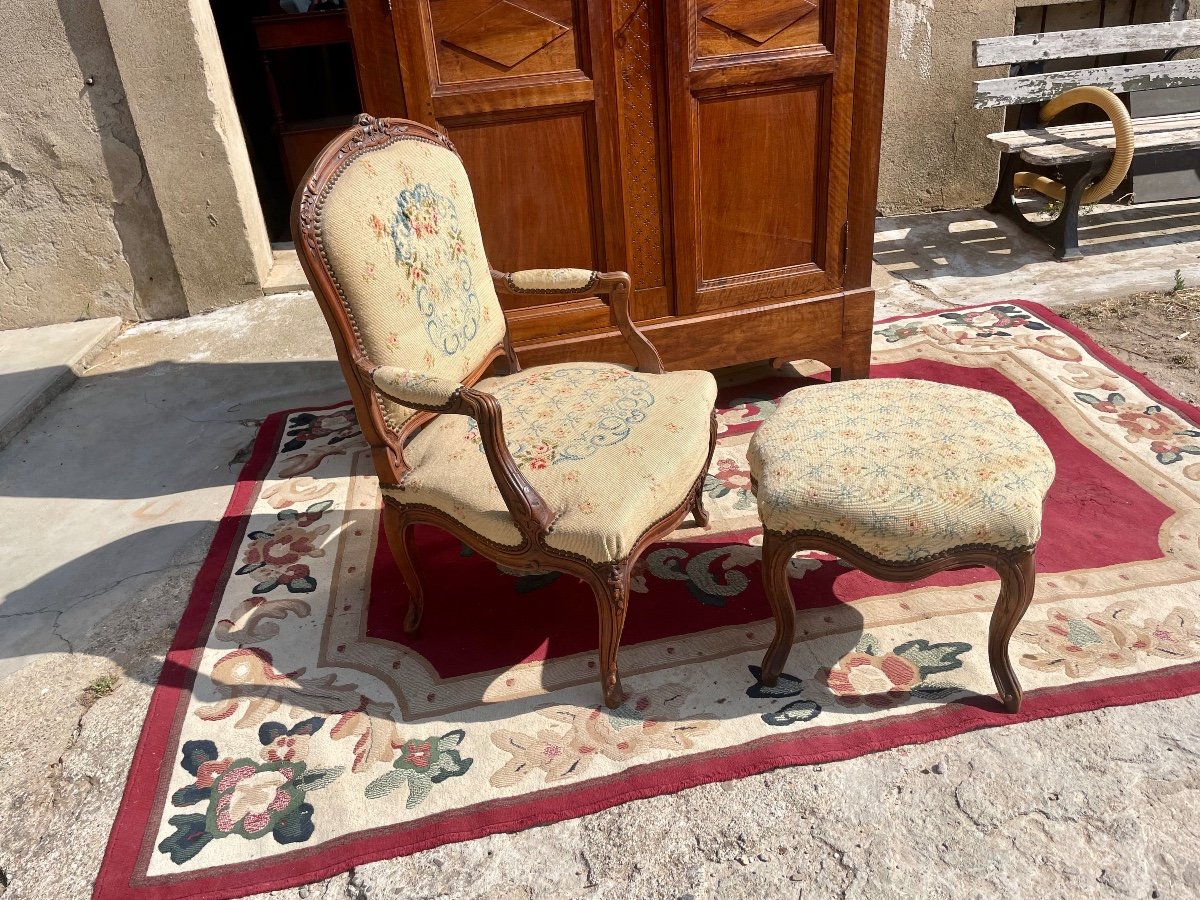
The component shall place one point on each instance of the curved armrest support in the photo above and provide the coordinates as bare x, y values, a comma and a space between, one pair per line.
428, 393
530, 512
615, 286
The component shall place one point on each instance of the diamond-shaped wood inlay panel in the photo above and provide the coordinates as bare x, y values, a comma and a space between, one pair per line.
759, 20
505, 34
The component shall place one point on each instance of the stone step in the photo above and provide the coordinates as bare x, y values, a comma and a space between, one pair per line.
286, 275
38, 364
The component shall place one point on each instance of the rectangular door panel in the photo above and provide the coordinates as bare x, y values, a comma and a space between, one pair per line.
761, 110
534, 190
477, 40
642, 121
759, 175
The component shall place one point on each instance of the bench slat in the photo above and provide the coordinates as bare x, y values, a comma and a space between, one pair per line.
1118, 79
1024, 48
1074, 143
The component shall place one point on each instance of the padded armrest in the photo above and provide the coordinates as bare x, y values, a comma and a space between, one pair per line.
551, 281
416, 389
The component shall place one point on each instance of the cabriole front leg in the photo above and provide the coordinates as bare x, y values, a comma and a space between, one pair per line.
399, 534
698, 511
612, 602
776, 555
1017, 577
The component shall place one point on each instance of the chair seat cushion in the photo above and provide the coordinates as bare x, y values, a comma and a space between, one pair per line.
611, 451
901, 469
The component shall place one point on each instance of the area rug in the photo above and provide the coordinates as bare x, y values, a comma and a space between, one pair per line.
296, 731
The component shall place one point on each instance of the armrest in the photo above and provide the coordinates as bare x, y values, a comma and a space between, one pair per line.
416, 389
549, 281
584, 282
532, 516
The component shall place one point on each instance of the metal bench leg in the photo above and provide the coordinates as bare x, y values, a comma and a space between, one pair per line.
1063, 233
1010, 164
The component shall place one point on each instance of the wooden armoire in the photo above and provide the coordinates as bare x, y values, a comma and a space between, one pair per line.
723, 152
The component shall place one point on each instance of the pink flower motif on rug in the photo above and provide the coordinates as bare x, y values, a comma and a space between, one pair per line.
644, 723
879, 679
273, 556
1112, 639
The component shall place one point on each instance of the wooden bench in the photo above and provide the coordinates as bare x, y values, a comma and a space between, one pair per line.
1079, 156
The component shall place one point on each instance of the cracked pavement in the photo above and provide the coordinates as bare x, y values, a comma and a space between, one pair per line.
113, 494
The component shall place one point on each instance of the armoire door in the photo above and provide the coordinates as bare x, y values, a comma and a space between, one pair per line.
529, 91
761, 109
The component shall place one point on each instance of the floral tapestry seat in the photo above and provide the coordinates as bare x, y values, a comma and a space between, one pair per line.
576, 467
611, 451
903, 478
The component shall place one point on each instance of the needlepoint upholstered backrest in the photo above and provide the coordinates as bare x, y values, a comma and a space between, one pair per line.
396, 227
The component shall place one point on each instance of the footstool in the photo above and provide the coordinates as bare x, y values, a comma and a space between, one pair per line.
902, 479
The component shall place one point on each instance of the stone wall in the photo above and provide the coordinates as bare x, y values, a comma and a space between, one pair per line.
125, 187
935, 154
80, 232
170, 61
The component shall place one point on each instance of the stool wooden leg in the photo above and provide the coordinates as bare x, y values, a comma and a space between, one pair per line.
1017, 576
776, 556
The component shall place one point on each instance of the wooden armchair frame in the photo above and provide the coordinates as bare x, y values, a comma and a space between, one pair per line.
533, 517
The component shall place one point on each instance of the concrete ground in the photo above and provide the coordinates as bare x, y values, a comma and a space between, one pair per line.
967, 256
111, 497
38, 364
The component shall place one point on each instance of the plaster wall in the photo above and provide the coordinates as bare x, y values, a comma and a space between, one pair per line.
935, 151
170, 61
80, 233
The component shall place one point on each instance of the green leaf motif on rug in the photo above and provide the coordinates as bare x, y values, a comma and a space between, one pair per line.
422, 764
797, 711
247, 797
785, 686
1167, 433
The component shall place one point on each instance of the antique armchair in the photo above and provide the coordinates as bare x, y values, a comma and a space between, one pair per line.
575, 467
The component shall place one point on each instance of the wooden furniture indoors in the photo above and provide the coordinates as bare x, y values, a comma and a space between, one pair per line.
723, 152
857, 470
1083, 163
573, 467
299, 139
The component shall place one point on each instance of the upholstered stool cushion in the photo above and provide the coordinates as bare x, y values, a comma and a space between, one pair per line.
612, 452
901, 469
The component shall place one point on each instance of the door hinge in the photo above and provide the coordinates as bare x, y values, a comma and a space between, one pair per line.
845, 248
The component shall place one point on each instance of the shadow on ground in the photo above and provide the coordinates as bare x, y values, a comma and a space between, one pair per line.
971, 244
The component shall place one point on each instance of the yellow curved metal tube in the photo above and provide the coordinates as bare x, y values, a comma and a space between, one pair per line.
1122, 155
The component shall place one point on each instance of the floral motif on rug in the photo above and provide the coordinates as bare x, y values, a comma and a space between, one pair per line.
297, 730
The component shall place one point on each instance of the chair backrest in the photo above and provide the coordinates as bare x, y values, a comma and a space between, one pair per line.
386, 229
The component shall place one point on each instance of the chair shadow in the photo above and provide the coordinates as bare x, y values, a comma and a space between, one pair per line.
138, 471
565, 626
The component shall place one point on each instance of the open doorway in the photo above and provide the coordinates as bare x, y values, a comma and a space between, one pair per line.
295, 81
